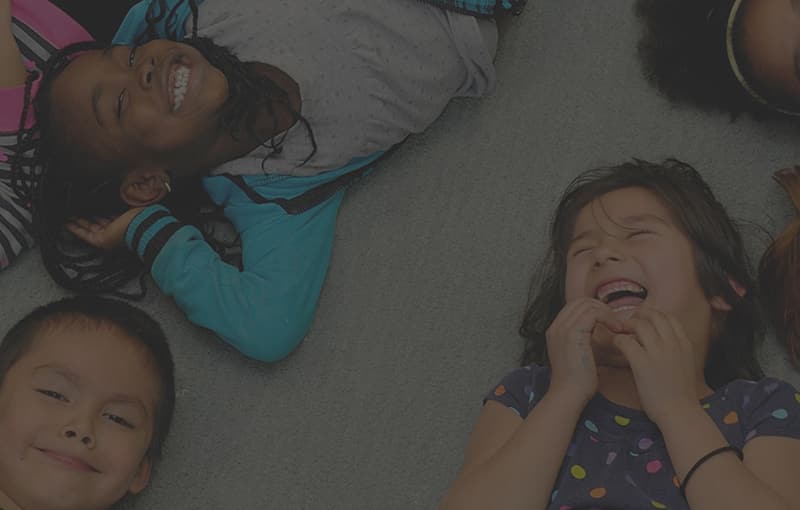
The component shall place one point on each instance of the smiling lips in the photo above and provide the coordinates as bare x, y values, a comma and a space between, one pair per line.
69, 462
621, 294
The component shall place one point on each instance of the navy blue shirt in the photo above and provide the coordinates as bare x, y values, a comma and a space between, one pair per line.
617, 458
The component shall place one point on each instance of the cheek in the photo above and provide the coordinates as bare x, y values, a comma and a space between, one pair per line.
574, 281
20, 428
123, 451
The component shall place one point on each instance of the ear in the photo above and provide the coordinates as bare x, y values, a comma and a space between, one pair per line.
719, 304
144, 186
142, 477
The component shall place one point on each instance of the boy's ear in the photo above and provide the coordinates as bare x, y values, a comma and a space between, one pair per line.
142, 477
719, 304
143, 187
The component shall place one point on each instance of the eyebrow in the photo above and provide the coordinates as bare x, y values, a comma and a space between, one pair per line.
121, 398
72, 377
626, 222
66, 374
98, 90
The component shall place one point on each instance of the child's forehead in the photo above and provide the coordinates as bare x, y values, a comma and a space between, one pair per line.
94, 353
623, 206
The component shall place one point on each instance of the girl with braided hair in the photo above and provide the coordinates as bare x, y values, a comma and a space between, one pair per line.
272, 110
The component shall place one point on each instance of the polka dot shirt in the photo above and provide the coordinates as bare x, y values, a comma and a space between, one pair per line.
617, 457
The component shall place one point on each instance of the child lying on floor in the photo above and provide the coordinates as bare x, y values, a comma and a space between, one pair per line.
641, 387
86, 400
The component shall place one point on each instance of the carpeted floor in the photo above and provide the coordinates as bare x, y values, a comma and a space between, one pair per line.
430, 270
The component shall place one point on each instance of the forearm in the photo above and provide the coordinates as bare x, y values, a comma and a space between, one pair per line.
521, 474
14, 72
264, 310
722, 481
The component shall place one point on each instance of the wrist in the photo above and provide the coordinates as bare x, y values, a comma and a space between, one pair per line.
570, 396
678, 413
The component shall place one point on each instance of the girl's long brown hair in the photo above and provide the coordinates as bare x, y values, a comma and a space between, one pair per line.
779, 272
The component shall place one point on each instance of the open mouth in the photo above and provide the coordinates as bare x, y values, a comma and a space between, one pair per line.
178, 83
621, 294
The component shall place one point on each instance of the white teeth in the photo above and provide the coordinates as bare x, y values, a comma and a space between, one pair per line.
607, 290
181, 83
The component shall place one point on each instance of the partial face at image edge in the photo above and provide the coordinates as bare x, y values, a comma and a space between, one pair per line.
77, 419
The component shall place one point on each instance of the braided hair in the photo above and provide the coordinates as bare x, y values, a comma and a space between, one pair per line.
66, 184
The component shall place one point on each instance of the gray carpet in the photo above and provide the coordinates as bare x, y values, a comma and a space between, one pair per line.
430, 271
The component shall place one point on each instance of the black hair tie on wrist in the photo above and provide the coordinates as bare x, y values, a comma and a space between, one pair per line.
704, 458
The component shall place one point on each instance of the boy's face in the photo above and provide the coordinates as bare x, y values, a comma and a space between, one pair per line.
76, 419
627, 251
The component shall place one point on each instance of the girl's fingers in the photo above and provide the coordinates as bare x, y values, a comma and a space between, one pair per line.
681, 339
79, 232
83, 223
632, 350
610, 319
652, 330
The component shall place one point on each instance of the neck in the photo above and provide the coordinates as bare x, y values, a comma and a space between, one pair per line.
618, 385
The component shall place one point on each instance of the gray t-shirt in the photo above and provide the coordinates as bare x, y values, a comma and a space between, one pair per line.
370, 72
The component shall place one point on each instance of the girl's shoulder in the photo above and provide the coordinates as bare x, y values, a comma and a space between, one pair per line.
522, 388
768, 407
44, 27
750, 392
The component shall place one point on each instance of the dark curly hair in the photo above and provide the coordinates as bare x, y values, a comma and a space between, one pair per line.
683, 52
718, 252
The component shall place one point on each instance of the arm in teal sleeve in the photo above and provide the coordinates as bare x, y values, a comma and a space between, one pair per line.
135, 23
264, 310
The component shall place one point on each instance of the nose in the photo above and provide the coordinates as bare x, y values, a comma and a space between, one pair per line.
146, 74
82, 431
608, 251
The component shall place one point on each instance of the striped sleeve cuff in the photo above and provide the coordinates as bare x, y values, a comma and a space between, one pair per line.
149, 232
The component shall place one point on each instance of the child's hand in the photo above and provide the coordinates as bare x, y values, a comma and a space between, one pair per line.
662, 359
569, 346
106, 234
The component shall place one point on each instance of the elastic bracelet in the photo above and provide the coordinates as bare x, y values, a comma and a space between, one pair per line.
704, 458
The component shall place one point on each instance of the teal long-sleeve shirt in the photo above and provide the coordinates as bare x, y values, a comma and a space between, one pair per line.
286, 226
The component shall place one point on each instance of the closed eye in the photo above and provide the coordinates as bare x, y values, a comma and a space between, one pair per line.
579, 251
119, 420
132, 56
120, 99
637, 233
53, 394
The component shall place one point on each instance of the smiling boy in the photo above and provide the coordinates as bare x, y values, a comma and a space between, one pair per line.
86, 400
